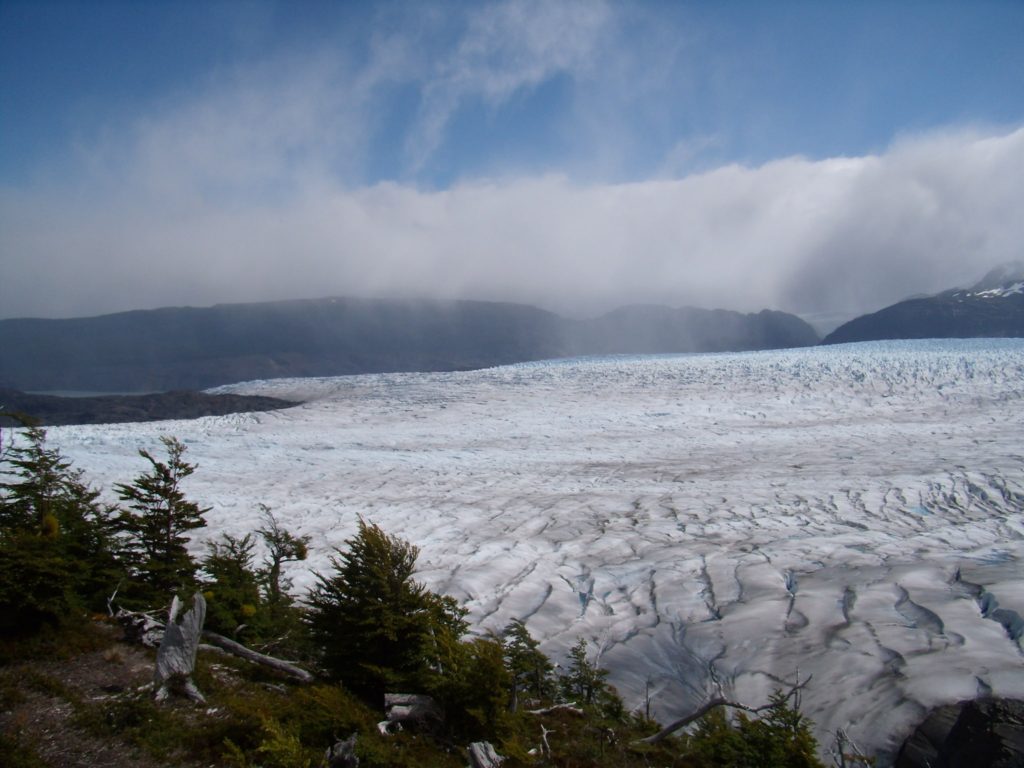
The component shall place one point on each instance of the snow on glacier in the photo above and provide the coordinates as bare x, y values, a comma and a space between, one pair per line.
711, 523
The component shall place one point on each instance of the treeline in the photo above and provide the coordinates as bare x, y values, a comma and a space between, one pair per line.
367, 628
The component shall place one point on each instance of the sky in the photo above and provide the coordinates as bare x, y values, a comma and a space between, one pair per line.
825, 158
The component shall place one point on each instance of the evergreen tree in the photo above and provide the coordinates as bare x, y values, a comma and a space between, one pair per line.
583, 681
377, 629
529, 669
476, 692
282, 547
56, 540
233, 600
782, 738
250, 602
43, 485
157, 521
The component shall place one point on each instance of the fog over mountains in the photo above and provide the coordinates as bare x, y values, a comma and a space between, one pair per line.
198, 348
991, 308
195, 348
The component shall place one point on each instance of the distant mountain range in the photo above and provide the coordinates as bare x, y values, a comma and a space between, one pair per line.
993, 307
115, 409
197, 348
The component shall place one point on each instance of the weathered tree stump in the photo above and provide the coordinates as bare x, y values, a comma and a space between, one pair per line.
482, 755
176, 657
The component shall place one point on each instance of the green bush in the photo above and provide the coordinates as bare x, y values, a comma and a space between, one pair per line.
57, 548
780, 739
376, 628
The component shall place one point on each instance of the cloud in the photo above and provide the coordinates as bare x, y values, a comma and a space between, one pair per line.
256, 183
840, 235
507, 47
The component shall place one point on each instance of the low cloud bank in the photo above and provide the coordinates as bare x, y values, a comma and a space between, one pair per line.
841, 235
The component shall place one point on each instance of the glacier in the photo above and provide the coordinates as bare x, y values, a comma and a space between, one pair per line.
716, 523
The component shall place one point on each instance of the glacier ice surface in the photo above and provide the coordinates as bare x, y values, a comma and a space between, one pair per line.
711, 523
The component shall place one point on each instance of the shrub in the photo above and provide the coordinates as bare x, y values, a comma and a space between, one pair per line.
57, 549
376, 628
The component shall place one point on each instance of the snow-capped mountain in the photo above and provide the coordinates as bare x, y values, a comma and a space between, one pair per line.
1002, 282
992, 308
710, 523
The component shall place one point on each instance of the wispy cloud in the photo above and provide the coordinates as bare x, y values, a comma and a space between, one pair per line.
507, 47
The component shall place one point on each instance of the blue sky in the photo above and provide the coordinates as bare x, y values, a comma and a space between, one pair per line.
174, 153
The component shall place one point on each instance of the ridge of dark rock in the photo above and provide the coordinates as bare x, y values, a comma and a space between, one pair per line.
992, 308
199, 348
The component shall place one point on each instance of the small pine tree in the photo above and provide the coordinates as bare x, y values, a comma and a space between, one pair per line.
282, 547
529, 669
782, 738
157, 521
583, 681
44, 485
377, 629
233, 600
475, 692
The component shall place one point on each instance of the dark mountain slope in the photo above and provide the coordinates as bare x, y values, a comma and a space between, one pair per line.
992, 308
47, 410
196, 348
651, 329
193, 348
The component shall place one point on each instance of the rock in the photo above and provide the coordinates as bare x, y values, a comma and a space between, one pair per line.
411, 710
985, 733
342, 754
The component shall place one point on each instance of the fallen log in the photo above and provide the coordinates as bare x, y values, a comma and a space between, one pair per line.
570, 707
237, 649
146, 629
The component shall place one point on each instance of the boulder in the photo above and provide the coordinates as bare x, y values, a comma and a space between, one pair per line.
982, 733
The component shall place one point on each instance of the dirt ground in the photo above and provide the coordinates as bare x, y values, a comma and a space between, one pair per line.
39, 711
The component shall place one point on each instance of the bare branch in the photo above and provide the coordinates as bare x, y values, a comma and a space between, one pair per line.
718, 701
237, 649
570, 707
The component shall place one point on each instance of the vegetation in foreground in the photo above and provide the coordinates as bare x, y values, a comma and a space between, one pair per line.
367, 628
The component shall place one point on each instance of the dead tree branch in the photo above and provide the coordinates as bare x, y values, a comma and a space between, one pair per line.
237, 649
718, 701
570, 707
147, 629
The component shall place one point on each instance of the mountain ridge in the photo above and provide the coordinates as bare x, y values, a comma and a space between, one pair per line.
991, 308
201, 347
